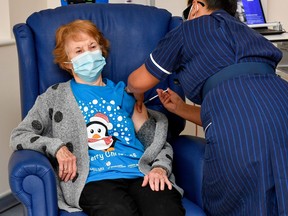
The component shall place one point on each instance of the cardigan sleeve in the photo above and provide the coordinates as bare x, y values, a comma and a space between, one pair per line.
158, 152
164, 159
35, 131
146, 133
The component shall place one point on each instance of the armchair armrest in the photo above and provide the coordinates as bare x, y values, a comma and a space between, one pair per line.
188, 165
32, 181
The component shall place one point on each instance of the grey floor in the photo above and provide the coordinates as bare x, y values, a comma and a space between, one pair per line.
14, 211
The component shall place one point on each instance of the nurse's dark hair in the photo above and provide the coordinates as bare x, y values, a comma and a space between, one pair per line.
230, 6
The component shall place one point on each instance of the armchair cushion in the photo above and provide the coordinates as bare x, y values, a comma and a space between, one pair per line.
188, 165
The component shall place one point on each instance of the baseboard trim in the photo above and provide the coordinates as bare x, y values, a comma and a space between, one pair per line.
7, 202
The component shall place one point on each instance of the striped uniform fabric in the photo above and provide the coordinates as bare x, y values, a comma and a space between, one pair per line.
245, 118
201, 47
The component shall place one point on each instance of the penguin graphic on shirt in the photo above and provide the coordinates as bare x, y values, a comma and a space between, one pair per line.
97, 131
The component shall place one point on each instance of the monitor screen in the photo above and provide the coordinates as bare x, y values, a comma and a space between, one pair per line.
250, 12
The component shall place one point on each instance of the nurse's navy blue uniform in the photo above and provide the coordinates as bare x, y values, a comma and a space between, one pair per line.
245, 117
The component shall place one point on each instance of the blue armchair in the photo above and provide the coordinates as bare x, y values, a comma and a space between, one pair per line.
133, 32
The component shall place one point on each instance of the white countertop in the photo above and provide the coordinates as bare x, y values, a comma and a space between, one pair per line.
277, 37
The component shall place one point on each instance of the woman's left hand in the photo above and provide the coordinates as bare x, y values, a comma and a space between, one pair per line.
157, 178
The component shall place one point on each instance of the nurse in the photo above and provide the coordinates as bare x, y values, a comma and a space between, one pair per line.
229, 70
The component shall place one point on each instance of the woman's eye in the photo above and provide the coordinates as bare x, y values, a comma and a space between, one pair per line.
93, 47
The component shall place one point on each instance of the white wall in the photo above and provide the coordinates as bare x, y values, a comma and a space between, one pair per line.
20, 10
9, 82
277, 11
174, 6
9, 90
4, 10
9, 112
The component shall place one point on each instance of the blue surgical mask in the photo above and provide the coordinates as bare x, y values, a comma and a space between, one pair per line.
89, 65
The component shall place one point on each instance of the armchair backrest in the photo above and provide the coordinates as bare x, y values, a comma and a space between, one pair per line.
133, 31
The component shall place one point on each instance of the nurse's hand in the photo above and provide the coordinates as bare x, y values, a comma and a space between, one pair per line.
175, 104
67, 164
139, 101
170, 100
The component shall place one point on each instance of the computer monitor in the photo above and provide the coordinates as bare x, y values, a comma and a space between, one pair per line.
250, 12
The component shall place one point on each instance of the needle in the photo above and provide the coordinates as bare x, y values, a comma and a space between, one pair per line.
152, 98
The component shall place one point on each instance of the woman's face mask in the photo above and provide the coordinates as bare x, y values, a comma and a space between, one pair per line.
88, 65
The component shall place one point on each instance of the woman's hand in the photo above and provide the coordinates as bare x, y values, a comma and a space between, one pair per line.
67, 164
157, 178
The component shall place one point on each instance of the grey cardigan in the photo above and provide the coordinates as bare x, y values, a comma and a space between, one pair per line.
55, 120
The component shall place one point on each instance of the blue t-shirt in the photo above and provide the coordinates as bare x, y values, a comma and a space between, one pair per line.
114, 150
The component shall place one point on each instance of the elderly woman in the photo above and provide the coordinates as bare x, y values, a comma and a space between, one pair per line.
85, 128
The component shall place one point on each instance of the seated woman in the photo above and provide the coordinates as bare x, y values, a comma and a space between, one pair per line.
85, 128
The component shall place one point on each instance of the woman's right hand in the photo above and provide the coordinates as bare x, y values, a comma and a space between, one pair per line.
67, 164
